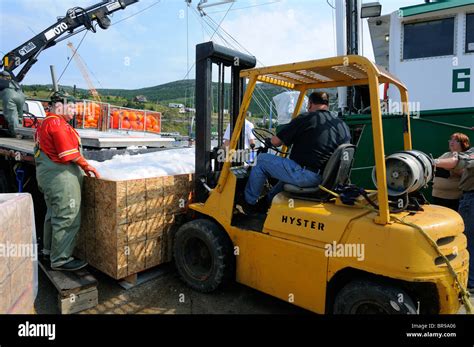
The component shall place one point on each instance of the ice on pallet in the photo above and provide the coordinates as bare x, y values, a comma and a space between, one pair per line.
157, 164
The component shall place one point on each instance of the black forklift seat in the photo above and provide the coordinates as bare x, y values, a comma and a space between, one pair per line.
337, 171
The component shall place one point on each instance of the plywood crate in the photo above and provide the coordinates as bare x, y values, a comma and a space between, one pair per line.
126, 225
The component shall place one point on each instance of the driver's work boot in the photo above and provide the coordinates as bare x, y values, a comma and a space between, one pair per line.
262, 205
247, 209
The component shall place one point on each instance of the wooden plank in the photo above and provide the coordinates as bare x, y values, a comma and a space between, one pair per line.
168, 235
88, 191
177, 190
154, 227
111, 201
154, 252
136, 231
122, 261
136, 212
80, 301
154, 207
136, 191
154, 187
68, 282
136, 200
130, 279
137, 256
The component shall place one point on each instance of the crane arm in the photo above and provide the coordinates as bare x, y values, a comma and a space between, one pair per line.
76, 20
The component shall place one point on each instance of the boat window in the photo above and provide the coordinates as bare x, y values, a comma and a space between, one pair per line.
428, 39
470, 33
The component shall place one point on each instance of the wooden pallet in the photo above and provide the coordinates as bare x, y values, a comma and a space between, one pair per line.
145, 276
77, 291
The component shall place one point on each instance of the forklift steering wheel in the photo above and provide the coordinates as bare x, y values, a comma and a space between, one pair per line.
261, 134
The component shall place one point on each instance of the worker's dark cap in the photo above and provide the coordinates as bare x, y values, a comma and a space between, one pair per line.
319, 98
60, 97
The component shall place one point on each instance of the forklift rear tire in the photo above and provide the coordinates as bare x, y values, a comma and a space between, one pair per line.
368, 297
203, 254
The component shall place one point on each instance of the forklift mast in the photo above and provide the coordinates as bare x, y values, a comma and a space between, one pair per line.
207, 54
77, 17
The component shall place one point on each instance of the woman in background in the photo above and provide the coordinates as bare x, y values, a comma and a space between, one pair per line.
446, 190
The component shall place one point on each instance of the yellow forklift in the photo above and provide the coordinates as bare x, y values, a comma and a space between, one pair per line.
414, 257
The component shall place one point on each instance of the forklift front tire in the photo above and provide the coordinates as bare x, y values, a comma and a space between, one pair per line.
369, 297
203, 254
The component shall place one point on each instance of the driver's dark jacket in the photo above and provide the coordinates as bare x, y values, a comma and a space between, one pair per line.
314, 136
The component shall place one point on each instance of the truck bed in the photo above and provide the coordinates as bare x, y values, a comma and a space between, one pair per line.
23, 149
119, 139
23, 145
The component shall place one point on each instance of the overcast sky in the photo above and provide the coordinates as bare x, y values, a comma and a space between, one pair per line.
150, 48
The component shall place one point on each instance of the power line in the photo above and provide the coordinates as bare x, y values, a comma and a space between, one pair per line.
69, 62
232, 4
143, 10
258, 93
333, 18
216, 29
237, 42
187, 53
77, 49
202, 20
242, 8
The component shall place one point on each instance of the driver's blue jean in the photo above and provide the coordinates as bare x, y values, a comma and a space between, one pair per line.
283, 169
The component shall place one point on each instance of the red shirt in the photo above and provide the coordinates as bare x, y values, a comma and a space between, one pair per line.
57, 139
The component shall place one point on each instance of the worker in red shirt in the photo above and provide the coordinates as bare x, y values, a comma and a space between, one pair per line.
60, 167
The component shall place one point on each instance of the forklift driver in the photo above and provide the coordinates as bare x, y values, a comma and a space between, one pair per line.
314, 135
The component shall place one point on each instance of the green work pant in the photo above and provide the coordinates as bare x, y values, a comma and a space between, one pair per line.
13, 101
61, 185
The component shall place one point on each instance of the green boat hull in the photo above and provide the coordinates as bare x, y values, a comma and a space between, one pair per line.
430, 134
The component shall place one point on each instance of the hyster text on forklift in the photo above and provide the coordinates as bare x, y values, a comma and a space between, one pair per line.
415, 258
